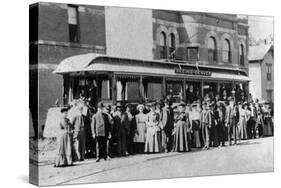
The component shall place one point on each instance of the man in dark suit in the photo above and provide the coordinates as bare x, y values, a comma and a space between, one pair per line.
231, 120
167, 118
101, 132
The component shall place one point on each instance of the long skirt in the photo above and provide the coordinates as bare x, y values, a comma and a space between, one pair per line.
181, 138
214, 136
196, 133
64, 152
152, 143
163, 141
268, 127
243, 128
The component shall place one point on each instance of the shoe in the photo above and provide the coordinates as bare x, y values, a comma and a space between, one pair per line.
98, 160
107, 158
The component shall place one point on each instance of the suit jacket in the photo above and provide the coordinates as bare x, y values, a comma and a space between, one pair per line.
167, 119
231, 114
121, 124
78, 124
100, 124
205, 118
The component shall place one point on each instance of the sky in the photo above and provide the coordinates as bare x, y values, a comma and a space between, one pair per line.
261, 26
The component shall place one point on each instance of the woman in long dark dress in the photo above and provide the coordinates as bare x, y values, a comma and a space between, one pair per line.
182, 131
64, 153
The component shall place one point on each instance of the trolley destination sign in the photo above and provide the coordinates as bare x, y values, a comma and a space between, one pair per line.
193, 72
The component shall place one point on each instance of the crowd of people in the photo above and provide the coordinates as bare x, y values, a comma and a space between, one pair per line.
153, 127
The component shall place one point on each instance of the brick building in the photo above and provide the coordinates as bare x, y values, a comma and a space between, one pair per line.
159, 52
261, 72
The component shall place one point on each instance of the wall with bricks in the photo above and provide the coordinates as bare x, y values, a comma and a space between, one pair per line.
53, 23
53, 46
193, 29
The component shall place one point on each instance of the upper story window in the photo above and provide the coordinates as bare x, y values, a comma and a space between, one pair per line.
192, 53
172, 46
163, 46
226, 51
268, 71
73, 23
212, 49
241, 54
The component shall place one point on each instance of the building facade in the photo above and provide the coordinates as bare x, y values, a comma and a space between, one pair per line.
261, 72
146, 37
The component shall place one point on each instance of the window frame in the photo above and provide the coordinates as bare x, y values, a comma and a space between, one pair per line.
73, 28
228, 51
163, 47
212, 51
269, 72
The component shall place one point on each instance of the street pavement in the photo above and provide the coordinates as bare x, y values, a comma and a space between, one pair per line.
249, 156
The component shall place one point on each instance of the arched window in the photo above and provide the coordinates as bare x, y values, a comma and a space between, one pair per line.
172, 45
241, 54
212, 49
163, 45
226, 52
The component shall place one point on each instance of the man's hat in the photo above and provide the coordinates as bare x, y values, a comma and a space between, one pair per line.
204, 103
211, 104
230, 99
194, 104
100, 104
128, 105
151, 104
182, 104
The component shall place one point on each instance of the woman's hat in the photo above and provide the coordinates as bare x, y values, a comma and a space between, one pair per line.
119, 105
139, 106
64, 109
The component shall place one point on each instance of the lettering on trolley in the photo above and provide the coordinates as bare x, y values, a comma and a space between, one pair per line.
193, 72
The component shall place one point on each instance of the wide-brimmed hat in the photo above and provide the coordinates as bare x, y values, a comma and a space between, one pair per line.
119, 105
182, 104
64, 109
139, 106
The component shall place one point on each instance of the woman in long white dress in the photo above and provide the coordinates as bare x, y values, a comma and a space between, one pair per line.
139, 137
152, 143
243, 122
